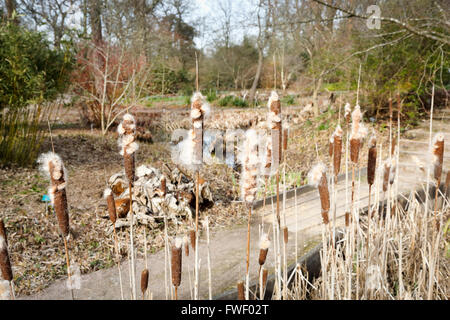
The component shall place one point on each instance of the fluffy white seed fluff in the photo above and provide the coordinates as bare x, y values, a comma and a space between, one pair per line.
2, 243
178, 242
250, 166
129, 117
315, 174
264, 242
184, 152
44, 162
205, 108
120, 129
347, 109
4, 290
338, 131
107, 193
273, 97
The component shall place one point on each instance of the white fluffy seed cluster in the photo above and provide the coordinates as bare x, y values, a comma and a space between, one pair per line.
315, 174
127, 132
4, 290
250, 167
58, 166
200, 109
347, 110
107, 192
44, 161
359, 130
2, 243
264, 242
272, 117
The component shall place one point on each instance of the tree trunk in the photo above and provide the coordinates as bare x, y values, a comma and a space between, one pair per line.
318, 84
10, 8
257, 76
95, 14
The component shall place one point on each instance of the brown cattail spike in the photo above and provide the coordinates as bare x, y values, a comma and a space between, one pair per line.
5, 264
386, 174
438, 155
285, 137
264, 244
192, 238
347, 219
58, 192
286, 235
128, 146
372, 160
240, 288
108, 195
337, 150
265, 273
176, 262
144, 281
318, 178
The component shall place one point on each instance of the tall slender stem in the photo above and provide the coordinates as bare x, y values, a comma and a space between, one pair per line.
68, 266
133, 267
116, 247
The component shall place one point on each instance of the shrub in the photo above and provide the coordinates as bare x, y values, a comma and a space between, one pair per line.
31, 72
289, 100
229, 101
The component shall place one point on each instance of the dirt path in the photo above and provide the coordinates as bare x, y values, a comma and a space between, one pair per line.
228, 246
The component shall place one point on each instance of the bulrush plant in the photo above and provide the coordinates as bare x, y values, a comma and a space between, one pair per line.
264, 244
438, 159
128, 147
5, 263
52, 165
249, 185
144, 282
176, 264
317, 177
191, 156
111, 204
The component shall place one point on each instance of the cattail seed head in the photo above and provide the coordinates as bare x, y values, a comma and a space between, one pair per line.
250, 167
337, 149
285, 136
438, 155
372, 160
266, 162
318, 178
176, 262
144, 281
192, 238
274, 123
447, 180
347, 219
347, 112
108, 195
286, 235
240, 288
331, 146
5, 264
200, 109
386, 174
54, 168
128, 146
186, 245
264, 244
